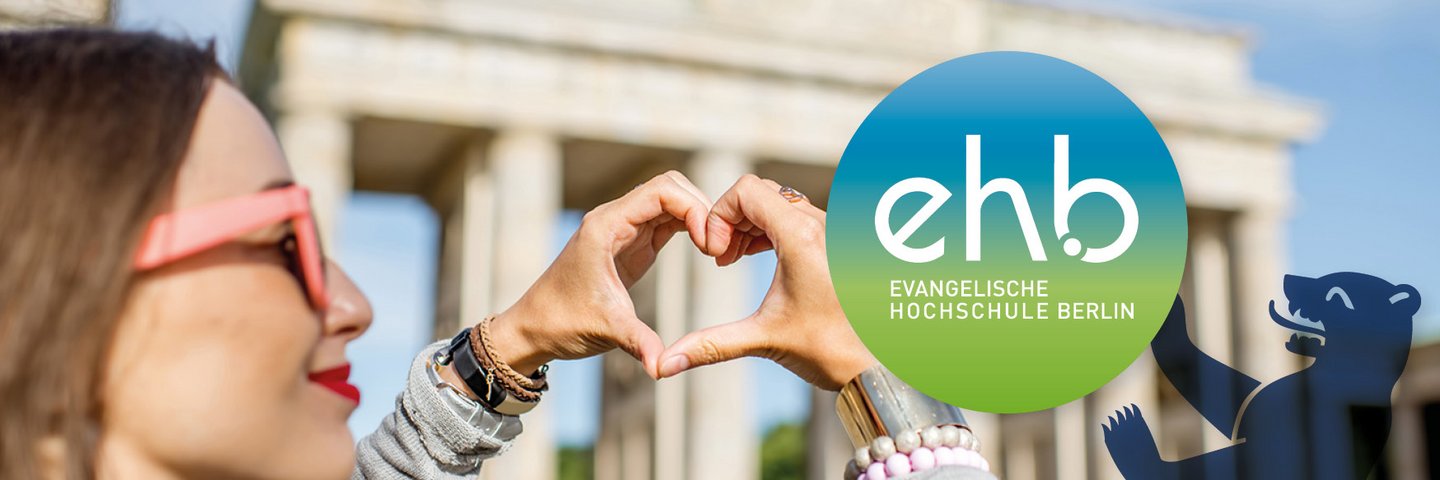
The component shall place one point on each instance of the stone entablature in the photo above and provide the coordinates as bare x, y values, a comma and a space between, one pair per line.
31, 13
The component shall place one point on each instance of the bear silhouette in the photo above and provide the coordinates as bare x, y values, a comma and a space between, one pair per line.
1326, 421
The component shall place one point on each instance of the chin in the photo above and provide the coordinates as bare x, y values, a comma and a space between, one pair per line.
325, 449
330, 457
341, 464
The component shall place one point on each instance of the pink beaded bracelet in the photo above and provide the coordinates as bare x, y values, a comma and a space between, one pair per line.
917, 450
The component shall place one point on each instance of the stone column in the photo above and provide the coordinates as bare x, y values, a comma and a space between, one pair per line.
1407, 443
626, 443
987, 429
624, 448
827, 447
525, 164
1211, 315
1020, 460
1210, 309
464, 198
721, 439
1260, 265
672, 295
1070, 428
317, 142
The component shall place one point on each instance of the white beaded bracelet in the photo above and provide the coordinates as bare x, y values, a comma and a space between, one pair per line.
916, 450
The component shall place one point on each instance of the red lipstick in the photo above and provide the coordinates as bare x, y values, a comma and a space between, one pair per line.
337, 380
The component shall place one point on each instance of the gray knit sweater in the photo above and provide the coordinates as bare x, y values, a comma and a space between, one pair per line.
426, 437
429, 437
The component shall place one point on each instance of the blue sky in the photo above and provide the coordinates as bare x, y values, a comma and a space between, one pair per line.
1367, 194
1366, 187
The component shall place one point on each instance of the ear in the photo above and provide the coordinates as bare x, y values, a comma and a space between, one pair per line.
1406, 300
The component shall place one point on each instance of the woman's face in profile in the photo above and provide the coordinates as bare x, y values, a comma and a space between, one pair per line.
208, 375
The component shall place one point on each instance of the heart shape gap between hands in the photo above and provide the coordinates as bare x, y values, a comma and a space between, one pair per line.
581, 306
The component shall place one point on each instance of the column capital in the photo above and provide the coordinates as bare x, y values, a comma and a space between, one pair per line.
527, 132
715, 170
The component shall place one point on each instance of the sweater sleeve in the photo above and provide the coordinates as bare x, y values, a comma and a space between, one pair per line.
433, 432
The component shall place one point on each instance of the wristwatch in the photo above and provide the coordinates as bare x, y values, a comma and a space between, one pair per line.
460, 355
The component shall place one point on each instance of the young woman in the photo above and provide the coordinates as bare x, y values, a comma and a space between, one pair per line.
166, 310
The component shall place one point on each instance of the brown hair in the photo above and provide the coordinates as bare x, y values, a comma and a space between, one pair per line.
93, 127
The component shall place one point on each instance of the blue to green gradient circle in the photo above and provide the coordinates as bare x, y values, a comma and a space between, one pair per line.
1014, 312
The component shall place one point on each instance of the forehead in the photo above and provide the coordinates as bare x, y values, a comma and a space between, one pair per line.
232, 152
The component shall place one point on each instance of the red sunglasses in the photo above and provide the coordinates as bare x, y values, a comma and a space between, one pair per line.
176, 235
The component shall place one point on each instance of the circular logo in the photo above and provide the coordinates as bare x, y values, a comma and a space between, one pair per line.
1006, 232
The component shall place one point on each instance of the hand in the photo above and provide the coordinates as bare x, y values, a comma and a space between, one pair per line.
799, 323
581, 306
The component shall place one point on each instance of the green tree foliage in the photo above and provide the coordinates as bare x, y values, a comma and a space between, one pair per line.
782, 456
782, 453
576, 463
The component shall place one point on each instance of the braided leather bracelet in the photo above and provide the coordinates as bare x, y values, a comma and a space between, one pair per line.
521, 386
482, 381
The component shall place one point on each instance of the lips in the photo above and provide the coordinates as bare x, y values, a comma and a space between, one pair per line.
337, 380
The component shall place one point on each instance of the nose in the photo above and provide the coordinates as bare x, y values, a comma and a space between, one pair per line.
349, 314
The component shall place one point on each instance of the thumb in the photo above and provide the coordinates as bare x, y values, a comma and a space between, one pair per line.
640, 341
712, 345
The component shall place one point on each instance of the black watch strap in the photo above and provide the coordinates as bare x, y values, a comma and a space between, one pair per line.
484, 385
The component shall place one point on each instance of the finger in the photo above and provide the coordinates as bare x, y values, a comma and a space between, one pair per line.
745, 241
697, 234
749, 245
753, 199
742, 235
761, 244
738, 243
684, 182
665, 195
747, 226
640, 341
803, 204
712, 345
664, 231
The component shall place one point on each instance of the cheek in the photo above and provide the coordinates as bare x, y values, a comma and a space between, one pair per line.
208, 369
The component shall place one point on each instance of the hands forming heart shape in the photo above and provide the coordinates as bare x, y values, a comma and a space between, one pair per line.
581, 306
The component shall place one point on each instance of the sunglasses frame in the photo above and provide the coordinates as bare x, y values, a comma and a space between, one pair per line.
176, 235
